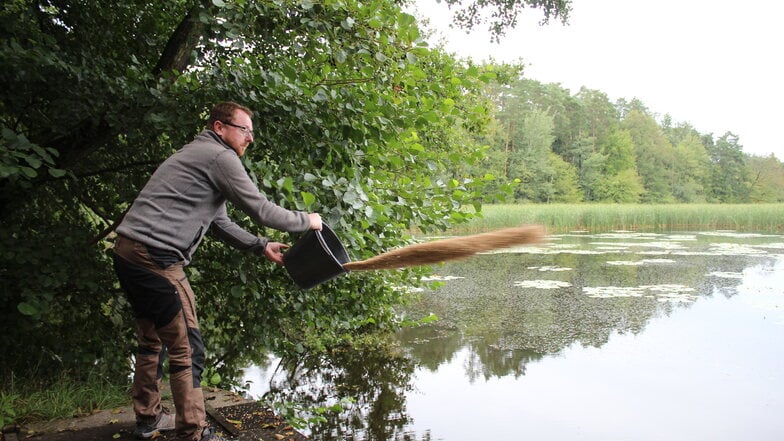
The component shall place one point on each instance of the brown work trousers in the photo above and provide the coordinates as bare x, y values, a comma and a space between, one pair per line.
165, 311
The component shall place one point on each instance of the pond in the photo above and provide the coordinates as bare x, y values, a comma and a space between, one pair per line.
615, 336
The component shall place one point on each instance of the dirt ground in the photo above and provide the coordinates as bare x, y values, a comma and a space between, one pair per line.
233, 416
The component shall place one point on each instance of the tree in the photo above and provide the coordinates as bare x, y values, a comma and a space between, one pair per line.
597, 113
619, 181
350, 123
729, 175
493, 164
525, 137
691, 169
531, 161
503, 13
623, 187
767, 179
655, 157
618, 146
591, 174
564, 181
565, 110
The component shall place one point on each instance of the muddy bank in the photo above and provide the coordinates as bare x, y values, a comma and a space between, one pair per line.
234, 416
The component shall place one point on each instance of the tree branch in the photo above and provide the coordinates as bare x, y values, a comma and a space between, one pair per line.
118, 168
177, 53
344, 82
105, 232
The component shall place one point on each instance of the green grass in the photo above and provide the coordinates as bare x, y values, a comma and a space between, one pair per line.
560, 218
28, 401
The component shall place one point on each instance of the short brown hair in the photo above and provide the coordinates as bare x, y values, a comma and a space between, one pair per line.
224, 111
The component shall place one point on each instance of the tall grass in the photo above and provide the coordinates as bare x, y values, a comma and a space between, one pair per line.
28, 400
559, 218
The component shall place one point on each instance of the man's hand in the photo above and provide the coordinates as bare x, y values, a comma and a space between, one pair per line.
274, 252
315, 221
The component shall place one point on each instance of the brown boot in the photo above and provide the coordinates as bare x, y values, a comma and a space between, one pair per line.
163, 423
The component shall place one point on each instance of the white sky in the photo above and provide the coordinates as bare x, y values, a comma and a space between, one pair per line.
716, 64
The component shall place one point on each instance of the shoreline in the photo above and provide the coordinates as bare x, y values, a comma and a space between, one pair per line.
232, 414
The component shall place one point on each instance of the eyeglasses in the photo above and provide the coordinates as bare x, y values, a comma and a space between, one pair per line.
245, 131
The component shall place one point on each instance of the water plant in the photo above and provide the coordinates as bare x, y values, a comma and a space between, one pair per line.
559, 218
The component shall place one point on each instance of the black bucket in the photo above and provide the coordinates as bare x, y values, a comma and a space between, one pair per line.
315, 258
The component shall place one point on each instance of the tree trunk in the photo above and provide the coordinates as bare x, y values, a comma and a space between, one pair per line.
177, 53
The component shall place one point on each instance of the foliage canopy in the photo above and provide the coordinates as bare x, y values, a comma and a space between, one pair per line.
357, 119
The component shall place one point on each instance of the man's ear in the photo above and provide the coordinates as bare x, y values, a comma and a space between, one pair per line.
217, 127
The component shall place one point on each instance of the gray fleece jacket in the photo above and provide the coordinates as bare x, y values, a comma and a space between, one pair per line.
187, 195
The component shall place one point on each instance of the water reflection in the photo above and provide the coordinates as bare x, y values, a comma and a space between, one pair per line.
376, 381
518, 327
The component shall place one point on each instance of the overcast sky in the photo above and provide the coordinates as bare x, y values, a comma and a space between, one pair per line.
716, 64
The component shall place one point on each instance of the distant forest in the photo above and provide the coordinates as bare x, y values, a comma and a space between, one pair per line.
563, 147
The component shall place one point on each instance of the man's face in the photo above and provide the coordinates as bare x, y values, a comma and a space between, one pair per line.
237, 133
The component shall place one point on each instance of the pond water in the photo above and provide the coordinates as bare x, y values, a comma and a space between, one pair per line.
616, 336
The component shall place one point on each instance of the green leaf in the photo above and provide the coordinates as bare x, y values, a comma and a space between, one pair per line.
286, 183
429, 319
431, 116
57, 172
219, 3
308, 198
340, 56
27, 309
320, 96
33, 161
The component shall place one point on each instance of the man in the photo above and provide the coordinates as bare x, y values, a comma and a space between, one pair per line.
184, 198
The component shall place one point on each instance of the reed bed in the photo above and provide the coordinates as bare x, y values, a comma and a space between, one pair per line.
560, 218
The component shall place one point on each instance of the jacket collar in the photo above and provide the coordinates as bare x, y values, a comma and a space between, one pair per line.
213, 135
